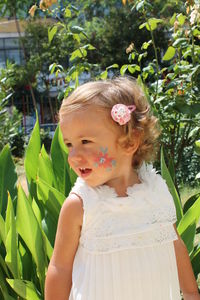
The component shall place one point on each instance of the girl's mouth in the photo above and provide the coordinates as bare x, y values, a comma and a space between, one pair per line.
85, 171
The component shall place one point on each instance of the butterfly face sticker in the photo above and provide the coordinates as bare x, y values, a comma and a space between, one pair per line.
103, 160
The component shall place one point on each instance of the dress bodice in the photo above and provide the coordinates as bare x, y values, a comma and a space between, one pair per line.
144, 218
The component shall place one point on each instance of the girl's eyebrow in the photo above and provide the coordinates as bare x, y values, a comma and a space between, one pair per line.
85, 137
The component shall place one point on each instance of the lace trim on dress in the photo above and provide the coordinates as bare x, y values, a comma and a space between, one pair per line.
163, 234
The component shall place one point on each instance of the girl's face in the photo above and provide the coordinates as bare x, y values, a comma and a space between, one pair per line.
91, 139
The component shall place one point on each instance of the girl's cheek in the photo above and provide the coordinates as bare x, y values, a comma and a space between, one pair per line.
102, 159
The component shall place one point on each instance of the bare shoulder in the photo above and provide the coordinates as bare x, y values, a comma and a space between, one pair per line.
72, 209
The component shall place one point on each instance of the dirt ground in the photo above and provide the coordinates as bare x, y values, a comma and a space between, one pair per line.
21, 175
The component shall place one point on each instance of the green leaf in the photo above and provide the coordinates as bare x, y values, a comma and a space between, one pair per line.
12, 255
78, 53
187, 225
166, 175
45, 169
123, 69
8, 178
47, 245
197, 176
196, 262
197, 147
78, 29
104, 75
51, 198
68, 13
181, 18
2, 230
31, 233
172, 20
32, 153
145, 45
4, 287
153, 23
52, 68
59, 156
196, 32
143, 25
169, 54
112, 66
24, 289
183, 42
51, 32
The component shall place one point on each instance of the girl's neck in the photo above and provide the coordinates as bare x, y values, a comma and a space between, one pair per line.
121, 183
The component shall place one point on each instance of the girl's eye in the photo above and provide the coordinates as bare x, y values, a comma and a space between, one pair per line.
85, 142
68, 145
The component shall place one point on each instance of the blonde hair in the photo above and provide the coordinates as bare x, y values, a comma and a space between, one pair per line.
125, 90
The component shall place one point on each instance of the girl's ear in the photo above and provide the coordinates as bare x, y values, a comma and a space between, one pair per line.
131, 148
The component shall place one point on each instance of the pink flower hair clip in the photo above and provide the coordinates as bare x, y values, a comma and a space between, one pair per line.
122, 113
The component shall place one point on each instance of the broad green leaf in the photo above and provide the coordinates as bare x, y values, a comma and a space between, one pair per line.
8, 178
45, 169
190, 201
12, 255
59, 158
187, 225
143, 25
32, 153
3, 285
131, 68
195, 259
183, 42
88, 46
181, 18
78, 29
140, 5
145, 45
29, 267
51, 198
112, 66
197, 147
3, 266
123, 69
172, 20
52, 68
47, 245
153, 23
24, 289
197, 176
166, 175
2, 230
68, 13
104, 75
51, 32
193, 132
196, 32
31, 233
78, 53
169, 54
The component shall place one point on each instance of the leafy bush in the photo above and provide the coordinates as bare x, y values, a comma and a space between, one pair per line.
10, 118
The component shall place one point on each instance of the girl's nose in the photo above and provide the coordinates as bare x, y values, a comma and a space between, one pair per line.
75, 155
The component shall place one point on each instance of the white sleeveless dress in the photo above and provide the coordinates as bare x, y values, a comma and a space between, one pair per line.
126, 249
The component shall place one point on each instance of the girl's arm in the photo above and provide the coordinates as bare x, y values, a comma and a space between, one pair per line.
187, 279
59, 275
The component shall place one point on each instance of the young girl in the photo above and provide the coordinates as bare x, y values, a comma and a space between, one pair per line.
116, 236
